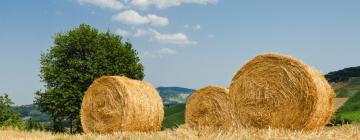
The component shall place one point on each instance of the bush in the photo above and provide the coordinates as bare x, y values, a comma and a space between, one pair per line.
31, 124
8, 116
338, 120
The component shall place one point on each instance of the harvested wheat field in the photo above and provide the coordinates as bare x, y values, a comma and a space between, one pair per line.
278, 91
339, 102
209, 107
115, 103
346, 132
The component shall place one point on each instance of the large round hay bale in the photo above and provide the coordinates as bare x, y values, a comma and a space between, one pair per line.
208, 108
279, 91
114, 103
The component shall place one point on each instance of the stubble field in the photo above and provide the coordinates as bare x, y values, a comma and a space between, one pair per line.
346, 132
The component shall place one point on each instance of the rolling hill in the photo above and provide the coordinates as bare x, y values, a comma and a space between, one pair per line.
343, 75
348, 88
32, 111
174, 99
351, 108
346, 83
169, 91
172, 96
174, 116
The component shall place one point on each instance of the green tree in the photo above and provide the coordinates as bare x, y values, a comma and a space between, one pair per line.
78, 57
31, 124
8, 115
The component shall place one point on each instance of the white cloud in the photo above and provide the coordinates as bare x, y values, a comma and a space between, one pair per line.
166, 51
130, 17
113, 4
157, 21
163, 4
194, 27
134, 18
122, 32
158, 53
176, 38
197, 27
141, 32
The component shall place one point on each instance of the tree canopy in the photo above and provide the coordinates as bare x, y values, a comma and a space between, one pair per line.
343, 75
76, 59
8, 115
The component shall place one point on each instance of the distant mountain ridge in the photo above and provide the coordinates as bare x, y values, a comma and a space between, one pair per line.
32, 111
168, 91
174, 95
343, 75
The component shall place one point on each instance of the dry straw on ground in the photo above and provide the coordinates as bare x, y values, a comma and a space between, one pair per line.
209, 107
114, 103
347, 132
279, 91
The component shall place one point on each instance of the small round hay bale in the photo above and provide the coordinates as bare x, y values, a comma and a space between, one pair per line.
279, 91
208, 108
118, 104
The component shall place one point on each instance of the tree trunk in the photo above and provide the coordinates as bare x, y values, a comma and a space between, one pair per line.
71, 126
54, 124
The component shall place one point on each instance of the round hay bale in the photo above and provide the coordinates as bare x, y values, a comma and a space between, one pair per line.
279, 91
208, 108
114, 103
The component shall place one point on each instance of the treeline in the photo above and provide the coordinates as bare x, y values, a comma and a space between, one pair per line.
32, 111
9, 117
343, 75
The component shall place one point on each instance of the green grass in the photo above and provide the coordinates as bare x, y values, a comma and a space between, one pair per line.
174, 116
353, 104
350, 89
175, 109
351, 109
342, 93
353, 116
355, 83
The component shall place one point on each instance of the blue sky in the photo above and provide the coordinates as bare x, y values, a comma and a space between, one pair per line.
188, 43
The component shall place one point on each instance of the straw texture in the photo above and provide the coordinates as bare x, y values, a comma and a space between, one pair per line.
114, 103
279, 91
208, 108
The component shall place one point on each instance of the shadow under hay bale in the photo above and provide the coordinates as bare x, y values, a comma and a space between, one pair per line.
208, 108
118, 104
279, 91
338, 121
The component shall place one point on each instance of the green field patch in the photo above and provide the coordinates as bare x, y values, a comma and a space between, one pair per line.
351, 105
350, 89
177, 108
355, 83
174, 120
353, 116
351, 109
342, 93
174, 116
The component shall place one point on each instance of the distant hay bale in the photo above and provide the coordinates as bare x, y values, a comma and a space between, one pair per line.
114, 103
208, 108
279, 91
